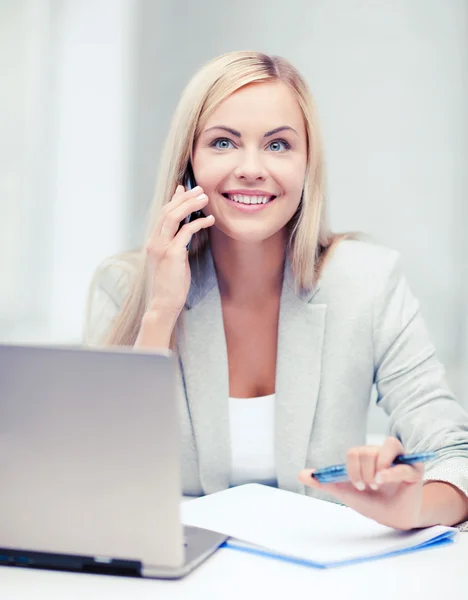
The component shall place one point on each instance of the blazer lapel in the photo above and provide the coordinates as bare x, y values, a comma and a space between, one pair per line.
298, 371
203, 352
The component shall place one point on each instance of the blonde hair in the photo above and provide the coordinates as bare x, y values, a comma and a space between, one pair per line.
309, 236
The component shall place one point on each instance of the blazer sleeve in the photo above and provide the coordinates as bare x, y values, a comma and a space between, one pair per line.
107, 292
411, 384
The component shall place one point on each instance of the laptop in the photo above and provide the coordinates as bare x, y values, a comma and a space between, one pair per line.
90, 466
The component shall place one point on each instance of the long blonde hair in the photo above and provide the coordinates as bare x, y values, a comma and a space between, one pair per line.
309, 236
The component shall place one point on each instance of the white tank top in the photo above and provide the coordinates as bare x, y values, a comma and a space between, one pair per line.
252, 427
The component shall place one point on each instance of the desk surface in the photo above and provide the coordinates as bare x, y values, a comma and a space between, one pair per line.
432, 574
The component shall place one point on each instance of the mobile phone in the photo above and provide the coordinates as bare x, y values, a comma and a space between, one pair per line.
189, 184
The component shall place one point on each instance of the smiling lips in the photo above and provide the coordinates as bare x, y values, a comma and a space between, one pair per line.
249, 200
252, 201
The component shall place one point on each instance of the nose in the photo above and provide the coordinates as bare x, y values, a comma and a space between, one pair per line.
250, 167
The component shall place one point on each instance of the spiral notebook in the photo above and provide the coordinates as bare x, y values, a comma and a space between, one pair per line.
288, 526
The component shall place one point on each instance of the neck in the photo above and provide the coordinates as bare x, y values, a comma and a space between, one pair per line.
248, 274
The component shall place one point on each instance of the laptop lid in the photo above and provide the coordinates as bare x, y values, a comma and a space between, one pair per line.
89, 454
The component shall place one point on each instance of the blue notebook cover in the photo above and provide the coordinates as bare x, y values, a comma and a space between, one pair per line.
443, 539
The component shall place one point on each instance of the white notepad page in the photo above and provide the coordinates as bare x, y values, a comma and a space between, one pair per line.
300, 527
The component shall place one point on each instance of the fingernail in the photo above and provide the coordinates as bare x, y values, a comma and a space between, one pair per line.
373, 486
197, 188
360, 485
378, 479
201, 197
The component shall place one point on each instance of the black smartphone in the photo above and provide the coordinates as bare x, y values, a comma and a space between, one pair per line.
189, 184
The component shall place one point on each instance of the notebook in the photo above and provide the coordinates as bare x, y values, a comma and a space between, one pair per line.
272, 522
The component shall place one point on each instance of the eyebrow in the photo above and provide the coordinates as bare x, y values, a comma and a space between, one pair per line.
267, 134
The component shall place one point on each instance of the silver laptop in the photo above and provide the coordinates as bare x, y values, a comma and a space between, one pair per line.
89, 463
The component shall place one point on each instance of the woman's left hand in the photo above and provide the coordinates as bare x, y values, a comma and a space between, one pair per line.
390, 495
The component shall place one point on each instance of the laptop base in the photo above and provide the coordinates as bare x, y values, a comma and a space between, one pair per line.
200, 544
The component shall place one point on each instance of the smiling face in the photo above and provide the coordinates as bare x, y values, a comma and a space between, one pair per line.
250, 160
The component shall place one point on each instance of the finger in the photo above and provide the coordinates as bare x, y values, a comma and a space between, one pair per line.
368, 460
342, 491
401, 474
305, 477
183, 237
353, 466
176, 216
390, 449
180, 196
178, 191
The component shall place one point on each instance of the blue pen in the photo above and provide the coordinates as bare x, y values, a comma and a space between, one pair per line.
338, 473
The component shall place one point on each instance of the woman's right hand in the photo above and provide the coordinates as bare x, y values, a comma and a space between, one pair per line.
168, 265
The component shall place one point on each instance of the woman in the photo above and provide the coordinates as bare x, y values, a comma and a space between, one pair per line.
281, 327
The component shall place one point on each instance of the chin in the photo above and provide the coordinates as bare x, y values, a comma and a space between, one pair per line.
252, 236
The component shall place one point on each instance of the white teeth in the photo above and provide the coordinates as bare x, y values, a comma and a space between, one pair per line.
249, 199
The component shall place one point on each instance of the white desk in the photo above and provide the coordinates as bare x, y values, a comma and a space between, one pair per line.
436, 574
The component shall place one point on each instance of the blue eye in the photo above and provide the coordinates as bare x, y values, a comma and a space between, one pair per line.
222, 144
279, 145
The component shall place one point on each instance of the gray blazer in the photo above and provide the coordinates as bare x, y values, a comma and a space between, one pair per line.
360, 326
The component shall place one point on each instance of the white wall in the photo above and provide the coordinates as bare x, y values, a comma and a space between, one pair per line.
25, 49
94, 106
390, 80
74, 211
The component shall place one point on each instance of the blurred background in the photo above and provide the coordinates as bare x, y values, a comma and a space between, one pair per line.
88, 90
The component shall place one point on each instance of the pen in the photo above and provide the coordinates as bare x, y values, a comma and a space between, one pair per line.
338, 473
